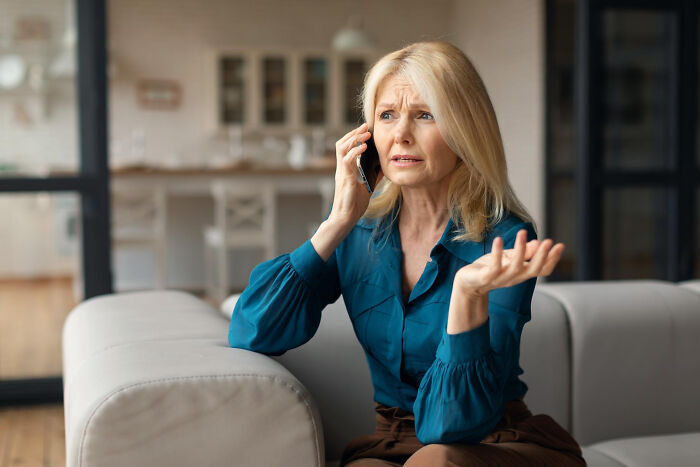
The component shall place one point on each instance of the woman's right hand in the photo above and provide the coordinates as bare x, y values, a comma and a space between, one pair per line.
351, 198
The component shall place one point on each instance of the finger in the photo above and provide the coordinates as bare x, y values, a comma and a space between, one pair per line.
552, 261
538, 260
350, 159
359, 140
553, 258
355, 152
518, 257
497, 254
350, 139
531, 248
350, 134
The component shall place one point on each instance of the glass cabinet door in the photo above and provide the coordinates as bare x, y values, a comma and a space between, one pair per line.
275, 90
315, 94
636, 233
232, 89
354, 70
638, 114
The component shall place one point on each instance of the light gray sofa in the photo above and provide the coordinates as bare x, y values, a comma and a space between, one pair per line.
149, 380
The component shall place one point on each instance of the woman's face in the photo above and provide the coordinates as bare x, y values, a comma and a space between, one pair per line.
411, 149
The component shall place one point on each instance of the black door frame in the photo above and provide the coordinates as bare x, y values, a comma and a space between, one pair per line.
91, 183
590, 176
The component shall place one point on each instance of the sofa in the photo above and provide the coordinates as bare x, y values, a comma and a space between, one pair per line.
150, 380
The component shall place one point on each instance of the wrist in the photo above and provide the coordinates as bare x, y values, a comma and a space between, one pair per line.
328, 237
468, 309
473, 293
336, 227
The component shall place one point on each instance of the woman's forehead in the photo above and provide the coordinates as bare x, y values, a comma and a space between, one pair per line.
395, 90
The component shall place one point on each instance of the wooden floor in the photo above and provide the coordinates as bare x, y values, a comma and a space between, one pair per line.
32, 313
31, 320
32, 436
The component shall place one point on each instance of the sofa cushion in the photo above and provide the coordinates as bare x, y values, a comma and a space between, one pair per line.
692, 285
678, 450
634, 350
598, 459
108, 321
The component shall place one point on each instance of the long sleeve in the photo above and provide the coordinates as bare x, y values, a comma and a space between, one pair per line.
461, 396
281, 307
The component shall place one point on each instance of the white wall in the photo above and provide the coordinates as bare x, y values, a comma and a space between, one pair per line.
505, 41
168, 40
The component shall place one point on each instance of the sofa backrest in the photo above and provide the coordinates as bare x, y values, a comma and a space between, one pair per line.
635, 348
605, 359
545, 357
333, 368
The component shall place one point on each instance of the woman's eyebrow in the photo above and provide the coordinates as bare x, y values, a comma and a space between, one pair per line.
412, 106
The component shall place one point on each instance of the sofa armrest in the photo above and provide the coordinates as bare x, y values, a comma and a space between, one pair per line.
182, 400
634, 347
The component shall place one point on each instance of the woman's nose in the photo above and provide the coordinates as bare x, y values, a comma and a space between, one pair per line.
402, 132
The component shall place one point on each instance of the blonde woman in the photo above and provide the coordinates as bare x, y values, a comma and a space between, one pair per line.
437, 270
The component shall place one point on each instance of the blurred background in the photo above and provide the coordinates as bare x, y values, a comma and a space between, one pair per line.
149, 144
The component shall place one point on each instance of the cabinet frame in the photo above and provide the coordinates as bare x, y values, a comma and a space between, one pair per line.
295, 87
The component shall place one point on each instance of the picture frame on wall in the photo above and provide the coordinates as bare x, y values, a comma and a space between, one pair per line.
32, 29
159, 94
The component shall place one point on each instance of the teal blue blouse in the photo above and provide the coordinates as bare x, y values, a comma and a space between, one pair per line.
455, 384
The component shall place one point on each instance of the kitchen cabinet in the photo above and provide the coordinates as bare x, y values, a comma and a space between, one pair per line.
280, 91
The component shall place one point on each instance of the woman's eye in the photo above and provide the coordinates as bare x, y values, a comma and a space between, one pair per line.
423, 115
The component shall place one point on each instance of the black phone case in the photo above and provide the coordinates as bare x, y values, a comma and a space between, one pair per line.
369, 165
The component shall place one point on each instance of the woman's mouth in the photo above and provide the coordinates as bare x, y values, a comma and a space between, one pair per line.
405, 160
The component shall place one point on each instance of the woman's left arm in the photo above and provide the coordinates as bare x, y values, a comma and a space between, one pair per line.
460, 398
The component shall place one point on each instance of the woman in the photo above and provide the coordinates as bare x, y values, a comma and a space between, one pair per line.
437, 271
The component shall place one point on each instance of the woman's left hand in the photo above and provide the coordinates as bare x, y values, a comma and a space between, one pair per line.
505, 268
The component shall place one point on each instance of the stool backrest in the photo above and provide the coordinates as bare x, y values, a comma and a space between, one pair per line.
244, 209
138, 212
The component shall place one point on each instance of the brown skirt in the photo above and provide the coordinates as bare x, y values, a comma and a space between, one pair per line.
520, 438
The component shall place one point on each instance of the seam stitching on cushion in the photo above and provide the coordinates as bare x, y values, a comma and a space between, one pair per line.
605, 454
124, 344
275, 379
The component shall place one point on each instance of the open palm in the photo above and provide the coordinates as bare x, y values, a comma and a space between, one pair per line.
505, 268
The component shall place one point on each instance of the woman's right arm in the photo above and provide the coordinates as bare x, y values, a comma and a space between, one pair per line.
281, 307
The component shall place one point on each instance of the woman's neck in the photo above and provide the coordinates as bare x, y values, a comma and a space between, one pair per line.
423, 211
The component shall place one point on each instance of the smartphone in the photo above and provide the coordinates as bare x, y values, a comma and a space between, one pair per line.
368, 165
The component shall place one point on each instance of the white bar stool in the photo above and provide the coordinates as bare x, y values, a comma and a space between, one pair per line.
139, 218
244, 217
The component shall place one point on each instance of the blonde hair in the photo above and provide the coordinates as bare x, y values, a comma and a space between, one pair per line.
479, 193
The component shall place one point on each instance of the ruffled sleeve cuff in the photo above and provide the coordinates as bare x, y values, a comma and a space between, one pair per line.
465, 346
307, 263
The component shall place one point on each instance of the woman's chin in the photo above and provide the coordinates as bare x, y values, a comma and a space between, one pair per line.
405, 179
409, 181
